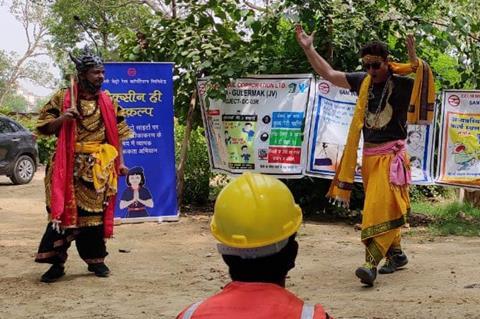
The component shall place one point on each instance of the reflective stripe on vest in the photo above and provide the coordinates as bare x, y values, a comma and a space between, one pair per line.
308, 311
189, 312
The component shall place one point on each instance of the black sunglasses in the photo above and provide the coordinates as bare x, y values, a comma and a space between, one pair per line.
374, 65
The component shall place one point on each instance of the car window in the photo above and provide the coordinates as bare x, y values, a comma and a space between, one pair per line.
16, 127
5, 127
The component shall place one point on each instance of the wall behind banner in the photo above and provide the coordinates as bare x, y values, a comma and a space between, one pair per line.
145, 91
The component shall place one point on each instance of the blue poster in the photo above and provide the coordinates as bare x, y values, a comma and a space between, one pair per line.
145, 92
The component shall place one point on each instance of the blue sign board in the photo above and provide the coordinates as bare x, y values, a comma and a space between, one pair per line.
145, 92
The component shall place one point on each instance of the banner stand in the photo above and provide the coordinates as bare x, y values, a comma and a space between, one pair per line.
144, 91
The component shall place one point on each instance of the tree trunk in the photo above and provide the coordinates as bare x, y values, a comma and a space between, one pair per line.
472, 197
174, 9
330, 42
184, 149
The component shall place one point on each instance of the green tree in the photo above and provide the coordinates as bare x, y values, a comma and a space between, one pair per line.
232, 38
14, 102
226, 39
222, 40
14, 66
444, 30
5, 64
78, 21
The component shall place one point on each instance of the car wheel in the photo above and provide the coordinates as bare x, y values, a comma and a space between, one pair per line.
23, 170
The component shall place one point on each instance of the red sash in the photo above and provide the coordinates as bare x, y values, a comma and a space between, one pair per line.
62, 200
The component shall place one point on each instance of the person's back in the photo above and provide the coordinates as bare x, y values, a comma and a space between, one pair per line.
257, 242
240, 300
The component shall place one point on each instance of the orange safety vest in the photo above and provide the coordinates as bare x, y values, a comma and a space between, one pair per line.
255, 300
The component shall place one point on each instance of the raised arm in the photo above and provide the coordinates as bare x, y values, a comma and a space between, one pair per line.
412, 52
317, 62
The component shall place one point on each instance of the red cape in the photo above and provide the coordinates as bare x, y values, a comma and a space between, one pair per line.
62, 200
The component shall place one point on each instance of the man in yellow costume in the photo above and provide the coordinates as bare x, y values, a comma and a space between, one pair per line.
81, 180
386, 102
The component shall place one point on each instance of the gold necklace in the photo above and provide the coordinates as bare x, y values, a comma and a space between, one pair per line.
87, 108
380, 118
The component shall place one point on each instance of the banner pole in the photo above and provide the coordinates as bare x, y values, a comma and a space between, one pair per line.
184, 149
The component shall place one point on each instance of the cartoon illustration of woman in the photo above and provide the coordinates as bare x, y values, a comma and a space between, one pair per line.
136, 196
415, 144
416, 167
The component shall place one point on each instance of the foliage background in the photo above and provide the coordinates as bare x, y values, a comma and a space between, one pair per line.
231, 38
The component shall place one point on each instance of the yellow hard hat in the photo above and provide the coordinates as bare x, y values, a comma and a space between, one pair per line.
255, 210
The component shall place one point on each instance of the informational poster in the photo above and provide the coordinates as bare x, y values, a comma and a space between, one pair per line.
259, 126
331, 117
459, 150
420, 148
145, 92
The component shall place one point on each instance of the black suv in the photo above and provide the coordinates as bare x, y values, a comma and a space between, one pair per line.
18, 151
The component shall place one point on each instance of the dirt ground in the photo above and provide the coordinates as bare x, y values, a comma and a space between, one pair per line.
171, 265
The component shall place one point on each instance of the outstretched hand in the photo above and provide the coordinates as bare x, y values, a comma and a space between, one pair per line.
303, 39
412, 53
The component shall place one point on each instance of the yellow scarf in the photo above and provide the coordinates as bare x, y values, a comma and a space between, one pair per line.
103, 171
420, 111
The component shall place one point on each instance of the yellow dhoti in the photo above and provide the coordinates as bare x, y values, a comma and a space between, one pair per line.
385, 207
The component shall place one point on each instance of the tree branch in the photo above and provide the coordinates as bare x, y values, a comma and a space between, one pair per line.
438, 23
443, 24
28, 15
156, 6
38, 54
118, 5
253, 6
174, 9
25, 23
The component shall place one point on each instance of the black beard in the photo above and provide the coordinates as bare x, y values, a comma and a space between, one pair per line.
89, 86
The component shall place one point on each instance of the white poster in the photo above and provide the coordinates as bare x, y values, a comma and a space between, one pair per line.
260, 124
420, 147
331, 117
459, 150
